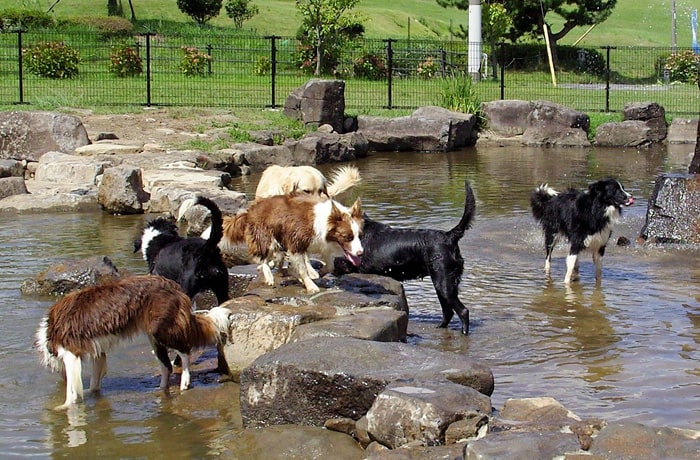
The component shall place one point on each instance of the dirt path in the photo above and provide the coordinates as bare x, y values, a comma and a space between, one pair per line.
167, 127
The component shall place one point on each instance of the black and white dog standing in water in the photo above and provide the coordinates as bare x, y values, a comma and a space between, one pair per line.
194, 263
412, 253
584, 217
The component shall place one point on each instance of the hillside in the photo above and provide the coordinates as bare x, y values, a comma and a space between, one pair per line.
633, 23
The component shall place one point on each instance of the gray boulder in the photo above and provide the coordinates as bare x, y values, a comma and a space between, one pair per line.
421, 411
534, 428
50, 200
12, 168
70, 170
553, 124
506, 118
682, 131
361, 306
630, 133
509, 445
428, 129
311, 381
12, 186
652, 114
673, 209
121, 191
318, 102
28, 135
320, 148
632, 440
540, 123
258, 157
64, 277
288, 442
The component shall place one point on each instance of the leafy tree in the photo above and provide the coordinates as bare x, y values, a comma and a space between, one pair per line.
200, 10
529, 16
325, 22
240, 11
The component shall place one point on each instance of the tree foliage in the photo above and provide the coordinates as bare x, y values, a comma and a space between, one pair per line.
529, 16
240, 11
324, 22
200, 10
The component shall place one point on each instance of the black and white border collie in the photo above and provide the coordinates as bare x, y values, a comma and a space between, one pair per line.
194, 263
412, 253
88, 322
584, 217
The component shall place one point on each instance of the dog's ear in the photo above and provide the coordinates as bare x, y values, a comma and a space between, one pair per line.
137, 245
288, 188
356, 210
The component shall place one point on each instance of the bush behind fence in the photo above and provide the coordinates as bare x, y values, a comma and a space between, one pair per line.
257, 72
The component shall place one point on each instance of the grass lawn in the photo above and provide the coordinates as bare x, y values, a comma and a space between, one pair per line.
632, 23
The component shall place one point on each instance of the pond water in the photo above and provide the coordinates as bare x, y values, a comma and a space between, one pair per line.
626, 349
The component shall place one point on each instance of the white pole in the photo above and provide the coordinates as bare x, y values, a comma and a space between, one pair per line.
474, 43
673, 26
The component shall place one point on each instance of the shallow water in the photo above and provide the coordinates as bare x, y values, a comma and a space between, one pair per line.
626, 349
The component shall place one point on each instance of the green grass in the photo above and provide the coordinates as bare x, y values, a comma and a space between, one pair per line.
632, 23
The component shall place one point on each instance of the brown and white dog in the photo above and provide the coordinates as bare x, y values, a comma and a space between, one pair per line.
282, 180
291, 226
88, 322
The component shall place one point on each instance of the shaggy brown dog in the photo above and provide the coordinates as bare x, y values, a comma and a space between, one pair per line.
88, 322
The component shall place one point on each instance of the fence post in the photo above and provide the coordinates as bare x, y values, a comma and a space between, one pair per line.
502, 48
19, 63
390, 69
148, 67
443, 62
209, 48
607, 78
273, 67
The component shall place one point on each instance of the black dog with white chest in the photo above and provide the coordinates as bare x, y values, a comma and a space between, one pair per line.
194, 263
410, 253
585, 217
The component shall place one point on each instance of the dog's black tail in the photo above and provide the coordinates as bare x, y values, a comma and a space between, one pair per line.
217, 221
467, 216
539, 199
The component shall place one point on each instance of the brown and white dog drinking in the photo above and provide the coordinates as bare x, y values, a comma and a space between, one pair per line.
293, 225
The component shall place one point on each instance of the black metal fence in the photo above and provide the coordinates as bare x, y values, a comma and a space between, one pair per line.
253, 71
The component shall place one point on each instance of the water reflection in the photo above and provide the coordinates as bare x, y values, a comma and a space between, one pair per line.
578, 322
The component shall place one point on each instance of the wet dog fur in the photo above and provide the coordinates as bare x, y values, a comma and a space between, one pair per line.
411, 253
86, 324
584, 217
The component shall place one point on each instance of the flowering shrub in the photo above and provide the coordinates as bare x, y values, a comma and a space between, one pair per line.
51, 60
306, 58
194, 63
125, 62
263, 66
427, 68
370, 66
682, 67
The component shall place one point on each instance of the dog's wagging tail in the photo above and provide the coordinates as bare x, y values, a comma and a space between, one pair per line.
86, 324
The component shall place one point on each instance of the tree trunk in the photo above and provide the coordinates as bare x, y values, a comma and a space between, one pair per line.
694, 167
133, 14
319, 54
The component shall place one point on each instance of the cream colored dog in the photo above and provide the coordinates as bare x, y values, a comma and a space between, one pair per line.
282, 180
